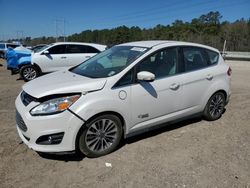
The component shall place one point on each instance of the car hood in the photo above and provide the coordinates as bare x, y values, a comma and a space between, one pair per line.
62, 82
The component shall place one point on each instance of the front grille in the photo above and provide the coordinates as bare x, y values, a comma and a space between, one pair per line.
26, 98
20, 123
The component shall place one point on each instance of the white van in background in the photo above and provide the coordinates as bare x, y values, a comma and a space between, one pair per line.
58, 56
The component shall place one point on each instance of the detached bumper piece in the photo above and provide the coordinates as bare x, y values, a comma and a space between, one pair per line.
51, 139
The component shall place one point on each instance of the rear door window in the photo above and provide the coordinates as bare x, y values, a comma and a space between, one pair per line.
194, 58
75, 49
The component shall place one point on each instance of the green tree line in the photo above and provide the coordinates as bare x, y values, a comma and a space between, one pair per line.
207, 29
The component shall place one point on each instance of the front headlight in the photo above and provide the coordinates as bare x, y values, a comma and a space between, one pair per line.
54, 106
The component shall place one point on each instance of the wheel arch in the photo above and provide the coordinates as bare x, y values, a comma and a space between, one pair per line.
23, 64
38, 68
93, 117
222, 91
206, 112
212, 93
219, 85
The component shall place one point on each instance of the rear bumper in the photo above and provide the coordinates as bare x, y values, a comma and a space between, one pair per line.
228, 98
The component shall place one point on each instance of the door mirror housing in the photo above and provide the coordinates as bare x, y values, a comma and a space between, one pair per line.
145, 76
46, 52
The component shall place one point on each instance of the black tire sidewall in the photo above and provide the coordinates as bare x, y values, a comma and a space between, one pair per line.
82, 147
207, 114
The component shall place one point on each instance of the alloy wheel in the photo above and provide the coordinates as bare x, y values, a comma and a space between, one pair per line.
101, 135
216, 106
29, 73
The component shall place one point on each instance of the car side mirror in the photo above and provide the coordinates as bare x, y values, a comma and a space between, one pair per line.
46, 52
145, 76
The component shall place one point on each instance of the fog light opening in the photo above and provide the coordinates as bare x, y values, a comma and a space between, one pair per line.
51, 139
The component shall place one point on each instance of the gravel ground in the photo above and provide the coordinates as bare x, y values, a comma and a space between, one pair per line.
193, 153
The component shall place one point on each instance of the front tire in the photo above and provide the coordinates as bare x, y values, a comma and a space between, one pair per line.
215, 107
29, 72
100, 136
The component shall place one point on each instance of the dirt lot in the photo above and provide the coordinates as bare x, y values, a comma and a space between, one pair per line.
193, 153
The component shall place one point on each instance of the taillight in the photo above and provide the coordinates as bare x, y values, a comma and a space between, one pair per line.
229, 71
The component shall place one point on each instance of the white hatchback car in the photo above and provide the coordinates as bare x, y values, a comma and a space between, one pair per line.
122, 91
57, 56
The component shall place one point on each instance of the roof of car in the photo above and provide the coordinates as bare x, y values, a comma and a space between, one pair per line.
153, 43
81, 43
147, 44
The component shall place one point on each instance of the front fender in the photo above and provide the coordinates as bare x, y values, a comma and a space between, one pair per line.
24, 61
95, 103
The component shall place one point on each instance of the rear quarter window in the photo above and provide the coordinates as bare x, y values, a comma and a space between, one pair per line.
213, 57
90, 49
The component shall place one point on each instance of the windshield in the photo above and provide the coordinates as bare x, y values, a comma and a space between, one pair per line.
41, 49
109, 62
37, 48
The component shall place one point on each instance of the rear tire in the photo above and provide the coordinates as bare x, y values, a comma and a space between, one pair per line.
215, 107
101, 136
29, 72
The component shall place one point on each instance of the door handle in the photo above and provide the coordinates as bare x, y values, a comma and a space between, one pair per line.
209, 77
63, 57
174, 86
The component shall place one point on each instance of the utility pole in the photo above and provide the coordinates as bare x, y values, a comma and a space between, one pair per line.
19, 35
56, 30
63, 29
224, 46
60, 29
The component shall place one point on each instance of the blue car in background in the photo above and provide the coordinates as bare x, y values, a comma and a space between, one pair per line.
17, 58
